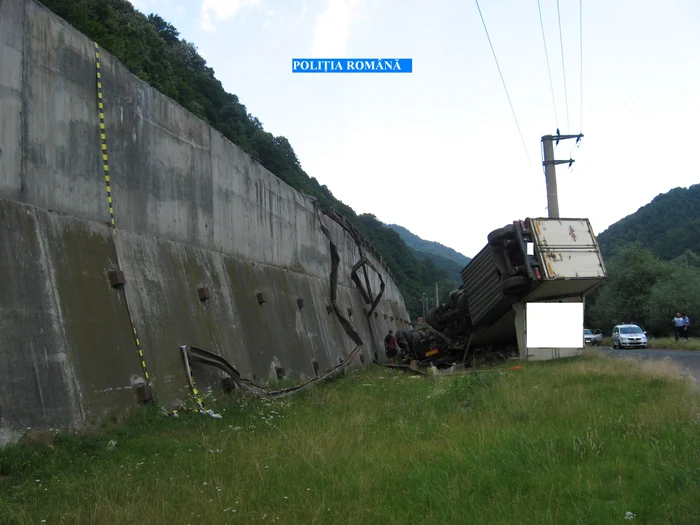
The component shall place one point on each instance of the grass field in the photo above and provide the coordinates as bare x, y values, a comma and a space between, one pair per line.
592, 440
669, 343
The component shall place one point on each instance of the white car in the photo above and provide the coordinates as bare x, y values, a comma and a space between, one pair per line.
591, 337
629, 336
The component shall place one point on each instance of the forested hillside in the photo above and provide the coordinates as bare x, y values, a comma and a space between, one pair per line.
667, 226
152, 49
653, 265
430, 247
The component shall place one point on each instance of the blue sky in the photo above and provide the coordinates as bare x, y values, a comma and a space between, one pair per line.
438, 150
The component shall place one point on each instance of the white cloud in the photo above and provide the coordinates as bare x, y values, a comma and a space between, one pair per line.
223, 10
332, 30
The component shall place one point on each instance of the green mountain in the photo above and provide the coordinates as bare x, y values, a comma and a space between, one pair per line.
653, 263
430, 247
152, 49
667, 226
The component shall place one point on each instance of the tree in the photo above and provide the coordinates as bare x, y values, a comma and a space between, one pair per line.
624, 297
677, 291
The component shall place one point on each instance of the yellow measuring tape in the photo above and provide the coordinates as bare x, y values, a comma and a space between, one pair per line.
138, 347
196, 394
108, 187
103, 137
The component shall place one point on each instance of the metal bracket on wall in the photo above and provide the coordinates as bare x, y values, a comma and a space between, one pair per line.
144, 394
116, 278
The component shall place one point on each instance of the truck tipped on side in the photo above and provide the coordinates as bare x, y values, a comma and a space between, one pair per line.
531, 260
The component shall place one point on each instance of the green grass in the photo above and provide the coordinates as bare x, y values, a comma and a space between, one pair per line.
669, 343
570, 441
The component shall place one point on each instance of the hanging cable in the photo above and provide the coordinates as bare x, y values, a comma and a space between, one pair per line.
580, 32
566, 95
549, 70
504, 86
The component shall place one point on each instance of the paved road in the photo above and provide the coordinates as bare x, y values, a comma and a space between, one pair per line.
688, 359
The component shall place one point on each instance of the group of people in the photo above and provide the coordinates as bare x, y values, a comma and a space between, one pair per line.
682, 326
393, 344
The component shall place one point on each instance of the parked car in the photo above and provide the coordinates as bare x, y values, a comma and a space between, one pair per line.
592, 337
629, 335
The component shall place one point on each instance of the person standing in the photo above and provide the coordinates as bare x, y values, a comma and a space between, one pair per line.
686, 326
390, 345
678, 323
402, 342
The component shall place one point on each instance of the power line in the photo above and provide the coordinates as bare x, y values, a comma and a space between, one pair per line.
504, 85
580, 32
566, 95
549, 70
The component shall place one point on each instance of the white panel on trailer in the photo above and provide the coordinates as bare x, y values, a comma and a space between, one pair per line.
567, 249
543, 354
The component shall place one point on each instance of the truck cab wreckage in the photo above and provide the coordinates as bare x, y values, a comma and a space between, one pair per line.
527, 261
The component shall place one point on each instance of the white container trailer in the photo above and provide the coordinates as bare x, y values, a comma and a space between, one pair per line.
571, 267
533, 260
568, 258
528, 261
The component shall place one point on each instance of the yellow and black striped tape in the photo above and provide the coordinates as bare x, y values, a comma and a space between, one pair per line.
103, 138
108, 187
195, 392
141, 358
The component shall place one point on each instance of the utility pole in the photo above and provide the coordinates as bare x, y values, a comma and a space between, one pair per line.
550, 172
437, 300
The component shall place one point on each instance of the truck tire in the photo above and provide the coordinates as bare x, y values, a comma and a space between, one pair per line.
514, 284
501, 234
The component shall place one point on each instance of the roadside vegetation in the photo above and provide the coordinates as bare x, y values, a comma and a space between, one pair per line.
644, 289
592, 440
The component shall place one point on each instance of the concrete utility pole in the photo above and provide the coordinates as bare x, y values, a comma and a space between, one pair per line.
437, 299
550, 172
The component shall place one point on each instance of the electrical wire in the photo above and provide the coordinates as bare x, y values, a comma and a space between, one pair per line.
580, 32
566, 95
549, 69
504, 86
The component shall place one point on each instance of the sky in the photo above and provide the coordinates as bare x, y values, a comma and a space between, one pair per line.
438, 150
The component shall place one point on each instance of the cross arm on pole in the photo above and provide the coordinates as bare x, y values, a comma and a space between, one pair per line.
550, 162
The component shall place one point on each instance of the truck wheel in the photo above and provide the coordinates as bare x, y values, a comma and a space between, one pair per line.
501, 234
514, 284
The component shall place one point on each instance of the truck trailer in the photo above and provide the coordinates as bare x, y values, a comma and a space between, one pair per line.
527, 261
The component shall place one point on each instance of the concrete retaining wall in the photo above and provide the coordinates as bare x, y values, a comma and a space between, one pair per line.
192, 209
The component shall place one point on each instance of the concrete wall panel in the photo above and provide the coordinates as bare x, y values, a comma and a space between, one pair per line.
11, 56
94, 317
37, 385
61, 149
254, 210
159, 160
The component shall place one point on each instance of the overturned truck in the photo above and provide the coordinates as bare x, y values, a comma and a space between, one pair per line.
531, 260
